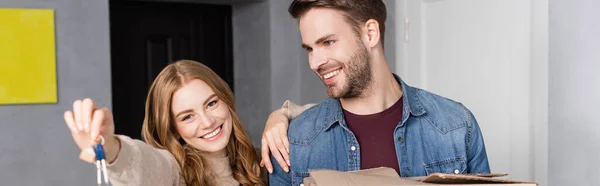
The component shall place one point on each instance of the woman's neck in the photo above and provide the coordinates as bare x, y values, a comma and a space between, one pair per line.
219, 154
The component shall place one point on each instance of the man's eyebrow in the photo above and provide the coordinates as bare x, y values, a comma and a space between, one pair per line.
324, 38
320, 40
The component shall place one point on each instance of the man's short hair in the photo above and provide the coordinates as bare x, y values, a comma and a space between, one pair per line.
357, 12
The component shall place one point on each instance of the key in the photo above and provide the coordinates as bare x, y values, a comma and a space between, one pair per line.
101, 162
98, 171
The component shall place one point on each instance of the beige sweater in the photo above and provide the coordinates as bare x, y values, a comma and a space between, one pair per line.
141, 164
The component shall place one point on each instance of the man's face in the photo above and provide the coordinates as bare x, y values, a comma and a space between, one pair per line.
335, 52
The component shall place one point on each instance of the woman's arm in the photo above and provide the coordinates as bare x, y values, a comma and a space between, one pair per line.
138, 163
130, 162
274, 138
292, 110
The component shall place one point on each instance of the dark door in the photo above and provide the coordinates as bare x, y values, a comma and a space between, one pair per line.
146, 36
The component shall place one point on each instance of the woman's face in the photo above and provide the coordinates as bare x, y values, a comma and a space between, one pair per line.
201, 118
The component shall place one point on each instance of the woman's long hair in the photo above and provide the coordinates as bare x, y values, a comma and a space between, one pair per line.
159, 126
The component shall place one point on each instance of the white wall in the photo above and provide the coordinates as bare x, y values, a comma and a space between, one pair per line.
574, 89
492, 57
539, 91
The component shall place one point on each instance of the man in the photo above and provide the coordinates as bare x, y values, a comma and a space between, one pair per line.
371, 118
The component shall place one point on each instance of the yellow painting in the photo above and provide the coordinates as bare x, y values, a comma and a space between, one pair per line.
27, 56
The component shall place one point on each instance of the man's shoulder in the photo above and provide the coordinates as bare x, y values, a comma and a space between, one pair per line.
428, 98
312, 119
443, 112
314, 112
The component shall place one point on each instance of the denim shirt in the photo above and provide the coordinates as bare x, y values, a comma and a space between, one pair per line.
436, 135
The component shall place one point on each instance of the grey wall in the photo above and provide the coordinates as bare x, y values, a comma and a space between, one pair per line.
574, 89
291, 77
36, 147
270, 66
252, 66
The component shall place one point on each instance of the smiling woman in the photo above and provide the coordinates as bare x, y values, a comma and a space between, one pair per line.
204, 125
192, 133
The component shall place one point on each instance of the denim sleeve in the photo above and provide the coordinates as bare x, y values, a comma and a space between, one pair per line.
477, 161
279, 177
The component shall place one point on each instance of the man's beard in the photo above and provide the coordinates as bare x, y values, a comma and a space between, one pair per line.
358, 76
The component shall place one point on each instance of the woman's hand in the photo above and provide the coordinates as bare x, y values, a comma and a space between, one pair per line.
275, 140
87, 123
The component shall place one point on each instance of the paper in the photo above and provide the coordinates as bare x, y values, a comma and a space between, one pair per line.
27, 56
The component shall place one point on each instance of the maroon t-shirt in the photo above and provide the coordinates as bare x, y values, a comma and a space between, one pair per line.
375, 135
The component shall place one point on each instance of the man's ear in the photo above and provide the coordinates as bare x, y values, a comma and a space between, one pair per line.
371, 28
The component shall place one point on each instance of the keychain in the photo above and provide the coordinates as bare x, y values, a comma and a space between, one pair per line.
95, 154
101, 161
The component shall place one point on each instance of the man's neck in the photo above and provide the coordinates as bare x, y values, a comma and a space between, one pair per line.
383, 92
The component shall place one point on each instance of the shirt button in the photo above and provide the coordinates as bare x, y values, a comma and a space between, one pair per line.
456, 171
353, 148
302, 184
399, 138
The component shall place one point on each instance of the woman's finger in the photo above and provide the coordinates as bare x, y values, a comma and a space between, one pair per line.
276, 153
71, 122
265, 155
77, 113
87, 109
96, 126
281, 148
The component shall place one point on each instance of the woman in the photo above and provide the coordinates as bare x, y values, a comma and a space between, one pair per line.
192, 133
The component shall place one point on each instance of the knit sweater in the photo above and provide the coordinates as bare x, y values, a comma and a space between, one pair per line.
141, 164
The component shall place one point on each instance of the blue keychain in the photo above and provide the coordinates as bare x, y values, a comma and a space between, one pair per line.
101, 162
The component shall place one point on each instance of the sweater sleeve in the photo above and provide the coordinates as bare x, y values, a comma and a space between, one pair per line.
294, 110
141, 164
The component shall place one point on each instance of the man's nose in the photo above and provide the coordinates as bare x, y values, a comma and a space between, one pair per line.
317, 59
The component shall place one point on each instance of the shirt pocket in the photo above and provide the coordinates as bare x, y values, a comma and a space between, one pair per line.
449, 166
298, 177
